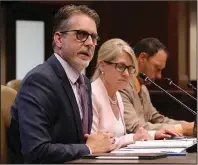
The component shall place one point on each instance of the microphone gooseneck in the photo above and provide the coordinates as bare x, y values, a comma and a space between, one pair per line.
172, 83
192, 87
145, 77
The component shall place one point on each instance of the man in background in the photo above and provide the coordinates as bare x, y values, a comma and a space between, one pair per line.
52, 113
139, 111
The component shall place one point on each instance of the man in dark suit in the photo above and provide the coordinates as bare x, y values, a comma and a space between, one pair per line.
51, 116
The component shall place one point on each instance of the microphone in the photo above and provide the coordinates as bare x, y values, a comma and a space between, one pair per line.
192, 87
145, 77
171, 83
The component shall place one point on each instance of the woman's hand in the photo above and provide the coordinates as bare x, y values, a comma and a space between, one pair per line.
142, 134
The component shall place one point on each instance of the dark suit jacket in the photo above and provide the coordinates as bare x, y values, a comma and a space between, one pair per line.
46, 125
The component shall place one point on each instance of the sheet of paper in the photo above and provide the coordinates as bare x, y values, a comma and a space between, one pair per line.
118, 157
162, 144
153, 150
184, 139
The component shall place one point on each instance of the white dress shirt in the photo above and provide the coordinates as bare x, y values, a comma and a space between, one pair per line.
72, 75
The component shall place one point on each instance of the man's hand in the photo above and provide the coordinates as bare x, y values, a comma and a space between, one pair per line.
166, 133
187, 128
142, 134
100, 142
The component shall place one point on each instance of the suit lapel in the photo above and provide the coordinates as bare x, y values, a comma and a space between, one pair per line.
55, 64
69, 91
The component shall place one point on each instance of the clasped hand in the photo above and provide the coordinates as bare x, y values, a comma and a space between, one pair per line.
100, 142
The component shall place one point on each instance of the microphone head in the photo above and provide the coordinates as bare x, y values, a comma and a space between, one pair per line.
142, 75
168, 79
189, 85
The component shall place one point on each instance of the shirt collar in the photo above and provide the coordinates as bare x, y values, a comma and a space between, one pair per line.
137, 85
71, 73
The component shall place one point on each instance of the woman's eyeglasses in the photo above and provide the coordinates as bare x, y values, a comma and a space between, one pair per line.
83, 35
121, 67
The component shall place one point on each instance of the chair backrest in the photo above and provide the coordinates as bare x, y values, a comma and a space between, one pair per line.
7, 98
15, 84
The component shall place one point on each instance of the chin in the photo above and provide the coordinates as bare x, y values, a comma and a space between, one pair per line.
81, 64
123, 84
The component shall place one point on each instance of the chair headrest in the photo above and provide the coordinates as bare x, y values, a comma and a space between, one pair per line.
15, 84
8, 96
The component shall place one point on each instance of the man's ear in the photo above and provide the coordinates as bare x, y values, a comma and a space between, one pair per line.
142, 57
58, 39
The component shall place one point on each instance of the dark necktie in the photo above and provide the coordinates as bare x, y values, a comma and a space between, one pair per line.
81, 89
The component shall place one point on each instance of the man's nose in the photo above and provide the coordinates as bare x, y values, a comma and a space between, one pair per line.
89, 41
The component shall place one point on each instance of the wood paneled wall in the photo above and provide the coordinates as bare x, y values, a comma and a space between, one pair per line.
132, 21
129, 20
171, 108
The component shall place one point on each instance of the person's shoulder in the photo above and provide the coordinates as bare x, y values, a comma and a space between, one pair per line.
98, 87
95, 83
128, 90
40, 71
146, 92
144, 88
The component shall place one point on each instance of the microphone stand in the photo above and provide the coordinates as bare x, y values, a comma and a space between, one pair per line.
193, 148
142, 75
171, 83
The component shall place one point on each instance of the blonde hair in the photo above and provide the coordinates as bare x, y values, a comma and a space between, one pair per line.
110, 50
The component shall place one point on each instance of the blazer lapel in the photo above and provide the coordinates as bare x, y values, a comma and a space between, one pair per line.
55, 64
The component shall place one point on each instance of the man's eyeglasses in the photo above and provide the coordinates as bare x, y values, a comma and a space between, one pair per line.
121, 67
82, 35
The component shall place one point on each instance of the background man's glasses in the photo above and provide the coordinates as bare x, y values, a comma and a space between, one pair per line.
82, 35
121, 67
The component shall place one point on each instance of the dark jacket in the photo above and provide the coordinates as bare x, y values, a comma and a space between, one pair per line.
46, 125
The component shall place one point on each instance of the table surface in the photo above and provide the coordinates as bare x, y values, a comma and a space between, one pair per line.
190, 158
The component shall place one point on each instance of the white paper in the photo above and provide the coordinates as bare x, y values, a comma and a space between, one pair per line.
118, 157
162, 144
153, 150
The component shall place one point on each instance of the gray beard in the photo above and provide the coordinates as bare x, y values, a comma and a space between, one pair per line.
77, 65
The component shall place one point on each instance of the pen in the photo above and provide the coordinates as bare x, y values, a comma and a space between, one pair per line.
118, 157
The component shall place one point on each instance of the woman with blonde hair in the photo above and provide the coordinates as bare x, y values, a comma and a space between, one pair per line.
116, 64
